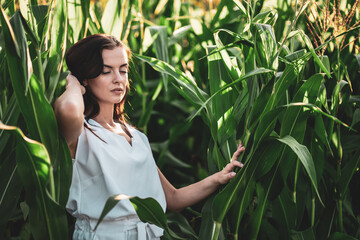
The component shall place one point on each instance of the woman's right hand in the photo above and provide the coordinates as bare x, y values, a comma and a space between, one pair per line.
71, 80
69, 110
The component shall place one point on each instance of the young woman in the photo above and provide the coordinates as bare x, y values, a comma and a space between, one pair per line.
110, 156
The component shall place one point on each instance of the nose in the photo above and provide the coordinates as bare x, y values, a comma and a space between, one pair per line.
118, 77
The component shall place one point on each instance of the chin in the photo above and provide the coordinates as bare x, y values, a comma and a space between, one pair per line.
119, 100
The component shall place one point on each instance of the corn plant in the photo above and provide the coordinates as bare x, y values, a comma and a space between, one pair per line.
260, 92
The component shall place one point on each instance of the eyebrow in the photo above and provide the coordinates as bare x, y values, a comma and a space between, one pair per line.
122, 65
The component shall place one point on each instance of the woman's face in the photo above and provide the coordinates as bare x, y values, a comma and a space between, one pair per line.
110, 86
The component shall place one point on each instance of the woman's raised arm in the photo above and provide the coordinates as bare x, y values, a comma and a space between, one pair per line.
69, 110
178, 199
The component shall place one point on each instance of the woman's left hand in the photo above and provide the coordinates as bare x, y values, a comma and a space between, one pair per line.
225, 175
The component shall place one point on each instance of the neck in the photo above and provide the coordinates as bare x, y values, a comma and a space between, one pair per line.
106, 115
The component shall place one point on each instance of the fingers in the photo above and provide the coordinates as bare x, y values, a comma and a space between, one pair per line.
228, 177
228, 172
230, 166
237, 153
71, 79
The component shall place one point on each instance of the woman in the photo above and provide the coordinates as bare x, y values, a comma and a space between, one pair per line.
109, 156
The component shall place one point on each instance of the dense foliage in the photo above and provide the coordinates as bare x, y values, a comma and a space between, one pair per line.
280, 76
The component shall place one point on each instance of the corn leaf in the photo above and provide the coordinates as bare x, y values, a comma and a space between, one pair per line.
148, 210
47, 219
157, 35
185, 86
265, 46
16, 54
114, 20
243, 184
58, 36
305, 157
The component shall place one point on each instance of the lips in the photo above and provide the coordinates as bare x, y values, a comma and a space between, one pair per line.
117, 90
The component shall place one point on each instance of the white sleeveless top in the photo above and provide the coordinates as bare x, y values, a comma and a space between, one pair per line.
102, 169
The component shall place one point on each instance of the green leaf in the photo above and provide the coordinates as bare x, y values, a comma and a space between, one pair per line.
58, 39
75, 15
244, 182
178, 35
347, 174
16, 49
44, 117
222, 119
230, 66
305, 157
252, 73
265, 46
284, 82
10, 187
148, 210
320, 131
341, 236
308, 92
312, 50
47, 219
317, 110
157, 35
258, 106
185, 86
266, 125
10, 117
307, 234
356, 117
114, 20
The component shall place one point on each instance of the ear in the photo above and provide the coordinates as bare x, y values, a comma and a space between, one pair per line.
85, 82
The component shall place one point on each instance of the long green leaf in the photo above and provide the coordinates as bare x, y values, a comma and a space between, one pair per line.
318, 110
232, 68
185, 86
58, 36
305, 157
347, 173
284, 82
157, 36
242, 185
114, 19
227, 86
44, 117
148, 210
10, 187
265, 46
312, 50
47, 219
308, 92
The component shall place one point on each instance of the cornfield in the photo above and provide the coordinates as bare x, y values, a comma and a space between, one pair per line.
282, 77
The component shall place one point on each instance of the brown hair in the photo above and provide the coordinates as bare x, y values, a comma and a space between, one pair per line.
84, 60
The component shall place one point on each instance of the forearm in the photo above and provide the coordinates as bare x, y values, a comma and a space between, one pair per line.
178, 199
194, 193
69, 111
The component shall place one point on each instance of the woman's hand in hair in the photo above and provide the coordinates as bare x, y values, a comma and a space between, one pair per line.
69, 111
71, 81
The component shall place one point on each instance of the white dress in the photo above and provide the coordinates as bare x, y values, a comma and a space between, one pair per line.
102, 169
